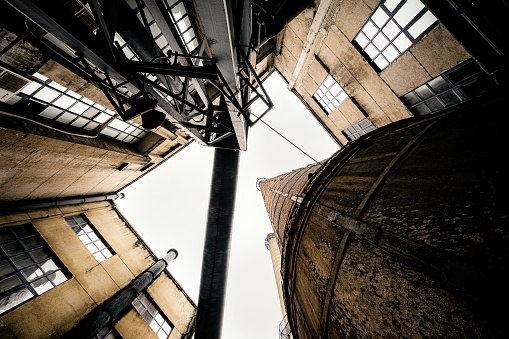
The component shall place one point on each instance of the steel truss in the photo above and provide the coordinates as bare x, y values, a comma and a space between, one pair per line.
162, 77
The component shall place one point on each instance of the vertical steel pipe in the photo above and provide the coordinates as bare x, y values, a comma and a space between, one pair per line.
216, 250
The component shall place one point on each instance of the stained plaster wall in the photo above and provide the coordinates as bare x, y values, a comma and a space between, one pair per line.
55, 312
375, 95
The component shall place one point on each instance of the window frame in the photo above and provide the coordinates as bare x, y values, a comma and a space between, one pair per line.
100, 239
37, 264
380, 31
325, 90
151, 302
453, 86
360, 130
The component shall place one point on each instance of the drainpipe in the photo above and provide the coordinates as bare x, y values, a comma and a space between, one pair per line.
103, 315
216, 252
37, 204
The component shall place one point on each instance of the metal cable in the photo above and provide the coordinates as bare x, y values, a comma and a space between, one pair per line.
282, 136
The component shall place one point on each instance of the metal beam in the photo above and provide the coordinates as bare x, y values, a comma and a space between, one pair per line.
201, 72
216, 17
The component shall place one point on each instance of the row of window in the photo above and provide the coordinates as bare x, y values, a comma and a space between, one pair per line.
29, 268
391, 30
50, 100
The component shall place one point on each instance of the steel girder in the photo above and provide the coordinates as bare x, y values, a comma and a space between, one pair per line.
99, 51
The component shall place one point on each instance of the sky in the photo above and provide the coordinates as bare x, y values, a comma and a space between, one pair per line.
168, 208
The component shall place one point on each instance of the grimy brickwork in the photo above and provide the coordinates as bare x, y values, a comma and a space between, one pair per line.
403, 233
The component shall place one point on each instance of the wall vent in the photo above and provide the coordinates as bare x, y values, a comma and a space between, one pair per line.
10, 84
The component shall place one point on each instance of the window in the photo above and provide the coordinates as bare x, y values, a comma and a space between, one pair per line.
443, 91
356, 130
50, 100
28, 267
88, 236
393, 28
330, 95
180, 19
107, 333
149, 311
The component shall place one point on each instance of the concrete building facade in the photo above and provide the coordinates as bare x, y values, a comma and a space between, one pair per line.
360, 65
60, 263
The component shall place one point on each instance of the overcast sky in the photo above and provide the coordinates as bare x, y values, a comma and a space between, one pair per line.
169, 206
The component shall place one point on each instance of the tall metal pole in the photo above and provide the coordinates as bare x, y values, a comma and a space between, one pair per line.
216, 251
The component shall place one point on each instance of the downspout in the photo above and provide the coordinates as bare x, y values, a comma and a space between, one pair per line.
95, 321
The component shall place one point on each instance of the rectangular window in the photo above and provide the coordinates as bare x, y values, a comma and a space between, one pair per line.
28, 267
89, 237
330, 95
356, 130
49, 100
152, 315
443, 91
392, 29
107, 333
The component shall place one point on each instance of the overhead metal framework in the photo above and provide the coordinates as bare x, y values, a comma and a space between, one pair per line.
146, 57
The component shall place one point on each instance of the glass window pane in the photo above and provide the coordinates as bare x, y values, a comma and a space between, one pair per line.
435, 105
32, 273
31, 242
31, 88
421, 109
66, 117
178, 11
424, 92
407, 12
57, 86
42, 285
390, 53
106, 252
192, 45
118, 124
9, 282
450, 98
369, 30
90, 113
57, 277
5, 267
14, 99
79, 108
154, 29
109, 132
391, 30
99, 256
14, 299
64, 101
402, 43
184, 24
73, 94
362, 40
439, 84
411, 98
49, 266
50, 112
102, 118
12, 248
342, 97
80, 122
380, 42
422, 24
391, 4
379, 17
381, 62
47, 94
40, 254
5, 235
161, 42
91, 126
371, 51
